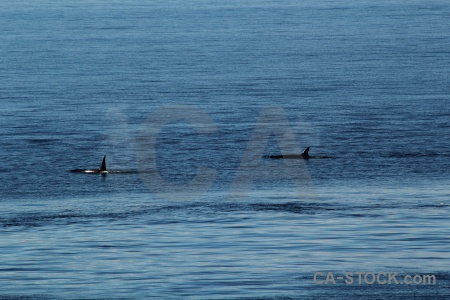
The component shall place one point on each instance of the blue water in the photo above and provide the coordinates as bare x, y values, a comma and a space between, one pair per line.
172, 89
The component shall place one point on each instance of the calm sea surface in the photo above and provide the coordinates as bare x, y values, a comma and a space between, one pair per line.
188, 96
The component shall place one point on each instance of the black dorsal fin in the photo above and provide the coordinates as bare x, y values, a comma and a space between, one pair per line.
305, 153
103, 166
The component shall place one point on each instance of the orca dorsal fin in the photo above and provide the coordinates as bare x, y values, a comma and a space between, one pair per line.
305, 153
103, 166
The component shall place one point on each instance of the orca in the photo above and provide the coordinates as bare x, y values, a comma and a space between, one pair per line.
304, 155
102, 170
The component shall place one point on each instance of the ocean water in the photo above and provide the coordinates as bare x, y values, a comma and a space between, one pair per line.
189, 96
